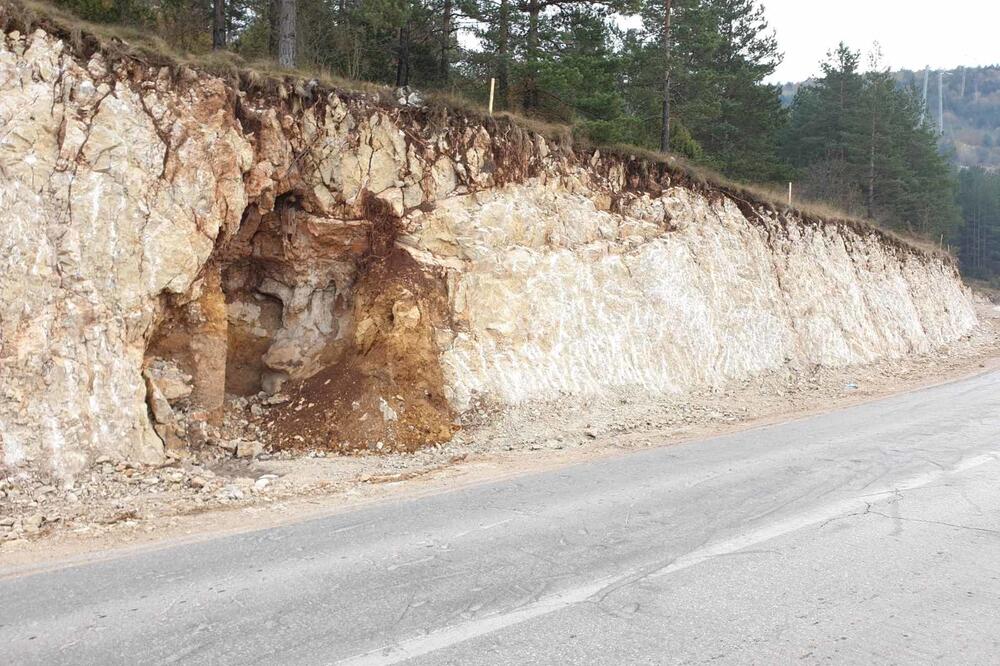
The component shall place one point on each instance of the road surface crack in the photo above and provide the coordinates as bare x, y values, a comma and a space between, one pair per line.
936, 522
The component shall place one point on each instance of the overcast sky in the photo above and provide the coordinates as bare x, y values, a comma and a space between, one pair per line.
912, 33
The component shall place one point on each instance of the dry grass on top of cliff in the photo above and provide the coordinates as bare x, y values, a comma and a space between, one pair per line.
118, 42
775, 199
820, 210
123, 43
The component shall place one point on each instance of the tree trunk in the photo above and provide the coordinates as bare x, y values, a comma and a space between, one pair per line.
219, 25
403, 57
445, 66
272, 28
531, 92
503, 54
286, 33
230, 28
665, 126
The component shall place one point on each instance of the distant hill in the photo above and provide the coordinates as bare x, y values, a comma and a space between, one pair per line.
971, 111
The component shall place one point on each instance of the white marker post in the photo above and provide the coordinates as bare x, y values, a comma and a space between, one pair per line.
492, 83
789, 194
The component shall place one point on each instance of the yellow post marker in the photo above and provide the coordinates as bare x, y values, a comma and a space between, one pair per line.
492, 83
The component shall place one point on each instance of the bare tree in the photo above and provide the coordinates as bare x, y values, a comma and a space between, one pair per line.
286, 33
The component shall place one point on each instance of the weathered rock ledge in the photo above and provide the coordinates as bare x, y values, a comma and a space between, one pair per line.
172, 245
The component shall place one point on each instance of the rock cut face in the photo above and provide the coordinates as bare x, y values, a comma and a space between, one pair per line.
554, 296
369, 272
103, 215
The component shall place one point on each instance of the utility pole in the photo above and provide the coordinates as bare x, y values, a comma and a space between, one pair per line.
665, 128
923, 109
941, 102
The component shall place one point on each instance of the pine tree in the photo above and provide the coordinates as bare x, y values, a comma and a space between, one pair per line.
577, 75
858, 141
740, 137
499, 27
718, 107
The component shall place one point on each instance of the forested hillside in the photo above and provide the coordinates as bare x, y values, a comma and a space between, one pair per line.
971, 102
689, 80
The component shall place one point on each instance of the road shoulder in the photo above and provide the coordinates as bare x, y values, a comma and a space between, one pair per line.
240, 496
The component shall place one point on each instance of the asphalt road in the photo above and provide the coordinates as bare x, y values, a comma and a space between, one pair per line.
866, 536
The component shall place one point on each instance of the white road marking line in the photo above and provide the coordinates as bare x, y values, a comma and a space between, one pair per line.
448, 636
409, 564
824, 513
481, 528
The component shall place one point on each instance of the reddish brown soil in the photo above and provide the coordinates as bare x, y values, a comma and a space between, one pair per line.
386, 392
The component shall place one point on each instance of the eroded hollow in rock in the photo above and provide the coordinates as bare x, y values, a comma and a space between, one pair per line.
326, 324
288, 277
380, 386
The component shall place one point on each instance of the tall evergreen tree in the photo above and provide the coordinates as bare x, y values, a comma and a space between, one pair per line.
979, 237
720, 52
858, 141
498, 25
578, 73
739, 136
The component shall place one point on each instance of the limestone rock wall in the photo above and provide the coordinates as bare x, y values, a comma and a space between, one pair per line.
112, 195
551, 295
396, 264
